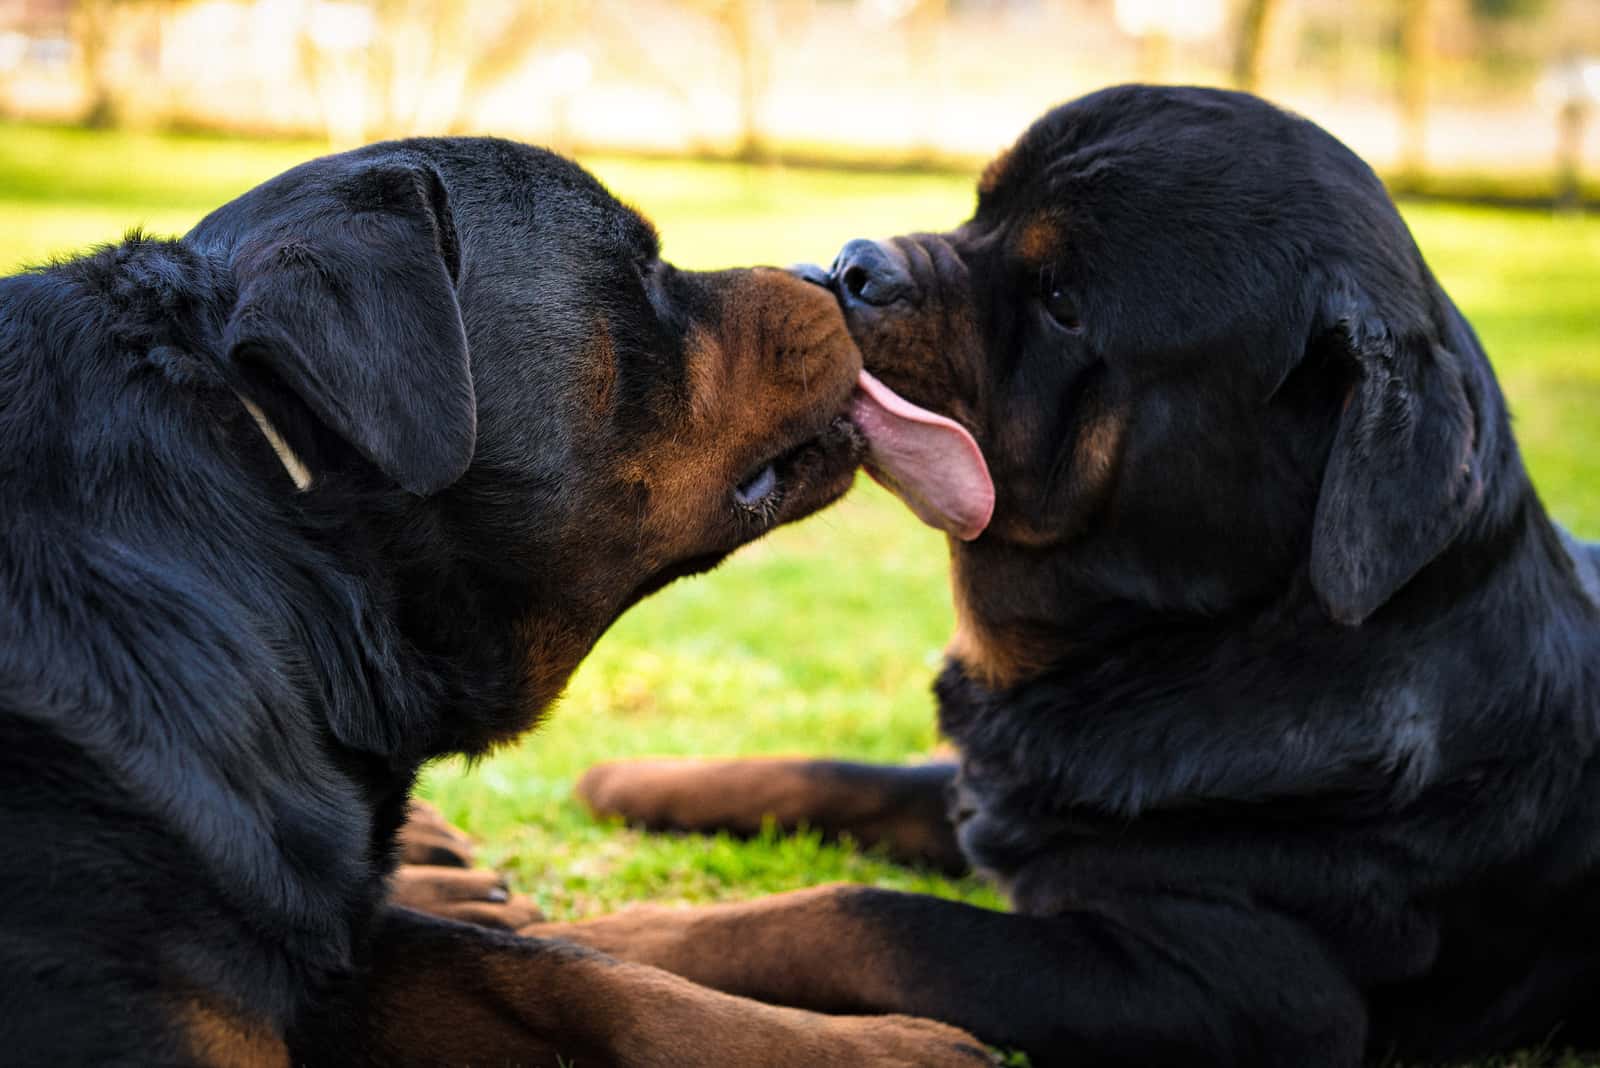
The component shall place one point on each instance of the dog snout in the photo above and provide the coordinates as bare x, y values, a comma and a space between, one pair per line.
871, 273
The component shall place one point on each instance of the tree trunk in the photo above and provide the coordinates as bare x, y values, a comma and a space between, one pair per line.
747, 31
1416, 62
1569, 180
1250, 43
91, 31
1155, 57
923, 26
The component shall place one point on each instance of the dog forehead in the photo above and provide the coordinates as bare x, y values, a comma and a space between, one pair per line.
1158, 150
1187, 188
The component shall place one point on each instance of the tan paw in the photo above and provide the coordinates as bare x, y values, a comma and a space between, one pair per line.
468, 895
428, 838
641, 791
906, 1040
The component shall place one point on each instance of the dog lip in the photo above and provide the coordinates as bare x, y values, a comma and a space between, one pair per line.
823, 466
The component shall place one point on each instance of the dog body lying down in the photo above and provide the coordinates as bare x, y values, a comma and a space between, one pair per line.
351, 477
1276, 692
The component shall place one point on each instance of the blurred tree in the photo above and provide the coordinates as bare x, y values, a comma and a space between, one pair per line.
91, 34
1251, 32
508, 48
1416, 57
751, 30
399, 67
746, 25
109, 36
1577, 98
1157, 24
1508, 9
924, 24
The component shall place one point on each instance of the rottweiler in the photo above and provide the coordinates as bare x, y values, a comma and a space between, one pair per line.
1275, 690
349, 477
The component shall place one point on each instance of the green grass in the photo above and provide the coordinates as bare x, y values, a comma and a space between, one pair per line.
824, 637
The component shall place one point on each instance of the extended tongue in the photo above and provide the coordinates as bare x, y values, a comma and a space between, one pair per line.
927, 460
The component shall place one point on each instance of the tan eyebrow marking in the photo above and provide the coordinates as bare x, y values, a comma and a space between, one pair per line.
1039, 239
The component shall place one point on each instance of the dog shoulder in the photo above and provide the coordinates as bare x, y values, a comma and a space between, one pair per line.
157, 695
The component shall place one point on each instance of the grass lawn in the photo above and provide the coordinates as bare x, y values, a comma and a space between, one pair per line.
824, 637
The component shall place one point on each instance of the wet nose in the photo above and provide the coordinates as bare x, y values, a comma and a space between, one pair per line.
868, 272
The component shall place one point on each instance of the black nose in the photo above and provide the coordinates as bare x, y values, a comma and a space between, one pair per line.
870, 273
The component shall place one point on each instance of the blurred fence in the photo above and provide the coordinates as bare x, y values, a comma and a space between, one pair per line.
1474, 86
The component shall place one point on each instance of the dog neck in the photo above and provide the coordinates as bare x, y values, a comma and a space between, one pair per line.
296, 468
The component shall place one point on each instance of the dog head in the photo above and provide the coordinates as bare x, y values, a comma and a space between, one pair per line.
475, 347
1204, 361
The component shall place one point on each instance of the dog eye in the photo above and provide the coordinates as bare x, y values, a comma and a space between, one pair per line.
1063, 309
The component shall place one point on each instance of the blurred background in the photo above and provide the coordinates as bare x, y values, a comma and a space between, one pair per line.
1460, 87
773, 131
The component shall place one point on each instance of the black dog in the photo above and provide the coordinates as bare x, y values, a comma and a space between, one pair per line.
1277, 693
350, 477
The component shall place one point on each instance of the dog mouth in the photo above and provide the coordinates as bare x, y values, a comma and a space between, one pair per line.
803, 477
930, 461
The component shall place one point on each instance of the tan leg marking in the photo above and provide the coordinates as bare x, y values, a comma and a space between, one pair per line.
222, 1039
463, 996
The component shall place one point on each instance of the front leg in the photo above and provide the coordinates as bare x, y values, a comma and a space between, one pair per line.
1145, 980
901, 809
445, 993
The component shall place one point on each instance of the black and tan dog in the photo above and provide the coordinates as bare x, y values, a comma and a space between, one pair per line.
350, 477
1276, 692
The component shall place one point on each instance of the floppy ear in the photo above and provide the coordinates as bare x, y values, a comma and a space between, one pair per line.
1402, 477
351, 305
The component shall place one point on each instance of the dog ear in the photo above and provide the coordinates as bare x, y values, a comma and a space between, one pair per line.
353, 309
1402, 477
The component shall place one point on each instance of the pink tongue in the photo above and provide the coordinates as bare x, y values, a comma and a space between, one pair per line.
927, 460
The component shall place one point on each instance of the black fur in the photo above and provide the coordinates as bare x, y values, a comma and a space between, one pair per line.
1304, 765
214, 691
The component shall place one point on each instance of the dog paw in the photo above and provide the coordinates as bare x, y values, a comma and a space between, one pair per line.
907, 1041
428, 838
680, 793
620, 788
471, 895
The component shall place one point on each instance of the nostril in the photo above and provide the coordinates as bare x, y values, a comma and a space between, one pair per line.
868, 273
855, 279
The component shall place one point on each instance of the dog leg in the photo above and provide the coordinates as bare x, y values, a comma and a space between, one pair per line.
1145, 981
901, 809
444, 993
